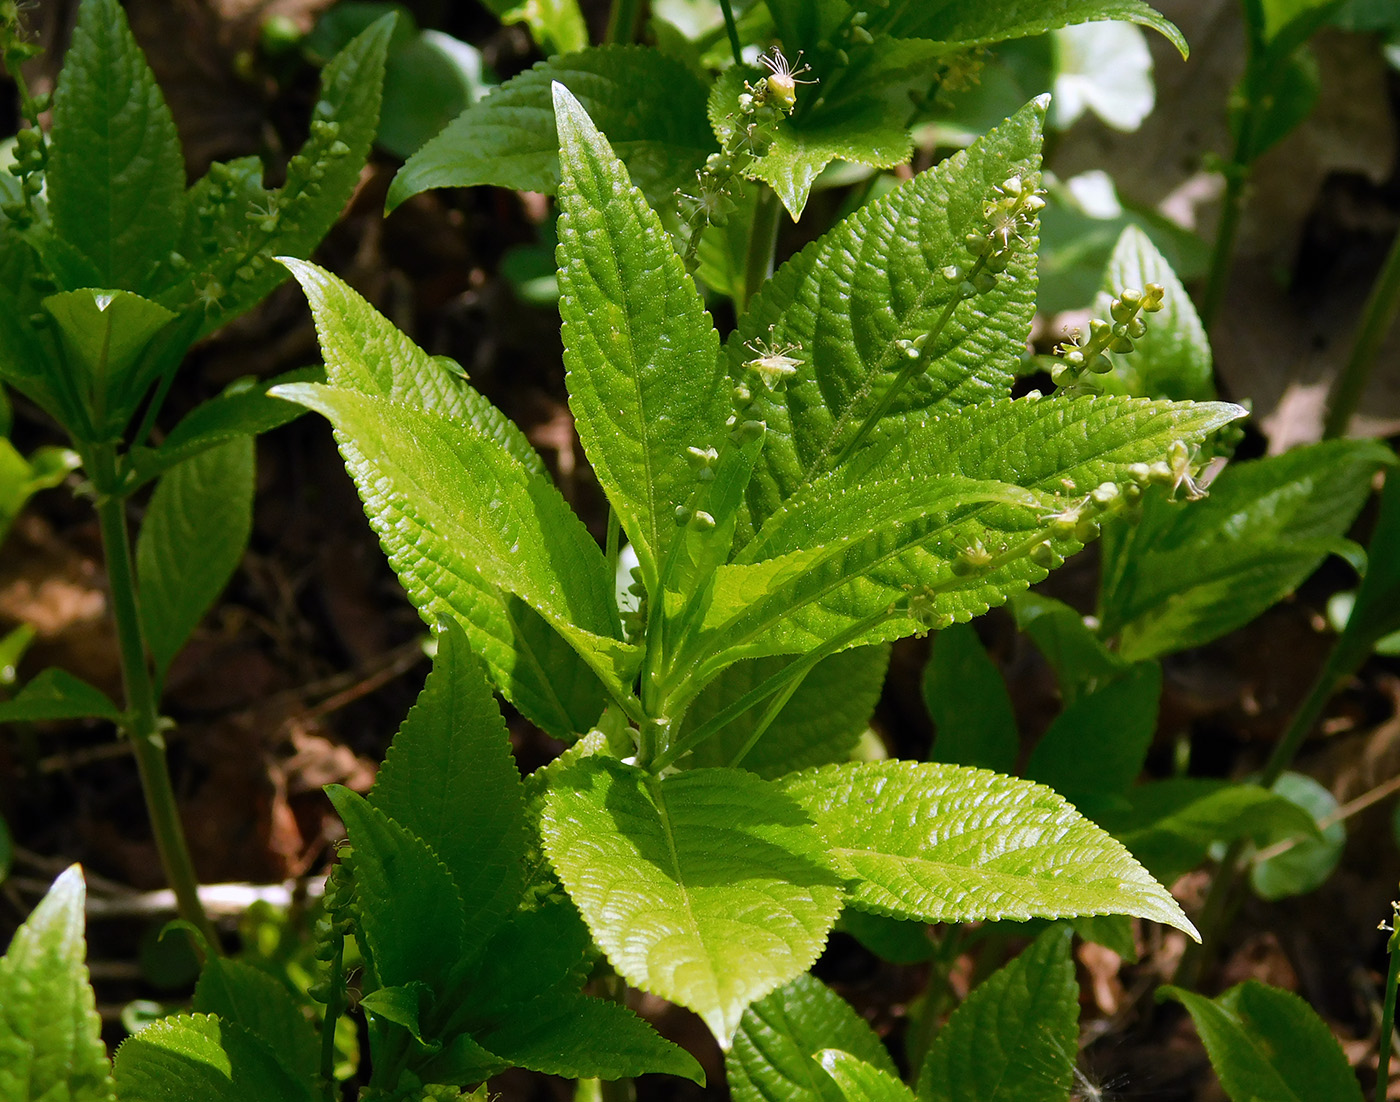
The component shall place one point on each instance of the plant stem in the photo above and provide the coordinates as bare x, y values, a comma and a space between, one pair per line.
335, 1006
1387, 1038
732, 30
622, 21
1236, 177
1376, 320
763, 243
142, 717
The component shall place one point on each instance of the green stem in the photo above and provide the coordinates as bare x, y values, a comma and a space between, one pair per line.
1381, 307
142, 720
732, 30
765, 721
1236, 179
763, 243
622, 21
1306, 717
1392, 980
335, 1006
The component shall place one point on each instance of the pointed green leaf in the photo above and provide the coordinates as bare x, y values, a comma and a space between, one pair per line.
105, 333
973, 721
1079, 658
1014, 1039
199, 1056
115, 175
1173, 359
651, 108
21, 478
1096, 747
409, 909
707, 888
775, 1050
1184, 576
821, 723
862, 1082
535, 668
449, 778
192, 539
57, 694
1268, 1043
50, 1035
492, 516
851, 545
641, 351
944, 843
556, 25
965, 23
1376, 612
847, 301
265, 1006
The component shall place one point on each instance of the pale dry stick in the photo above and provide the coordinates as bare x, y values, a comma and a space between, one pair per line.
1344, 812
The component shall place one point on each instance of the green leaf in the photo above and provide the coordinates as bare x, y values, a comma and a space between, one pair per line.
1096, 747
966, 23
1173, 360
449, 778
105, 334
21, 478
821, 723
409, 909
860, 112
1172, 825
652, 110
1268, 1043
972, 716
57, 694
557, 25
199, 1056
1376, 612
192, 539
945, 843
849, 547
1184, 576
847, 301
1079, 658
254, 1000
708, 888
1014, 1039
490, 515
1309, 862
637, 343
50, 1035
536, 669
115, 175
779, 1037
244, 408
859, 1081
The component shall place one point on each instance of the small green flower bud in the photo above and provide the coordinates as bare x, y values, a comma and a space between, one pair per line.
1137, 329
1131, 298
1178, 454
742, 395
682, 515
1011, 185
1087, 530
1160, 474
1100, 331
1120, 345
999, 261
977, 244
984, 282
1139, 472
1074, 357
1032, 204
1152, 297
702, 521
745, 105
861, 35
1104, 494
1060, 373
954, 273
1043, 555
748, 431
1100, 365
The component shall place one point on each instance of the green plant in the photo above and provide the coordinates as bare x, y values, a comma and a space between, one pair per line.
112, 268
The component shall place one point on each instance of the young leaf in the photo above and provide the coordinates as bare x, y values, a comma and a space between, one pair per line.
708, 888
1096, 747
254, 1000
651, 108
853, 300
58, 694
1182, 577
199, 1056
1014, 1039
556, 25
641, 351
859, 1081
1079, 658
409, 909
194, 535
1310, 861
535, 668
449, 778
1172, 359
970, 23
779, 1038
821, 723
115, 175
944, 843
50, 1036
1268, 1043
971, 709
491, 516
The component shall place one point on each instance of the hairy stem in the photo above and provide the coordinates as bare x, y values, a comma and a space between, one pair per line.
142, 715
1379, 315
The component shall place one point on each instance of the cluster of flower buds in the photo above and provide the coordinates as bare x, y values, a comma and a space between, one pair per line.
1009, 218
703, 462
1180, 470
1117, 335
31, 157
634, 618
335, 923
742, 427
